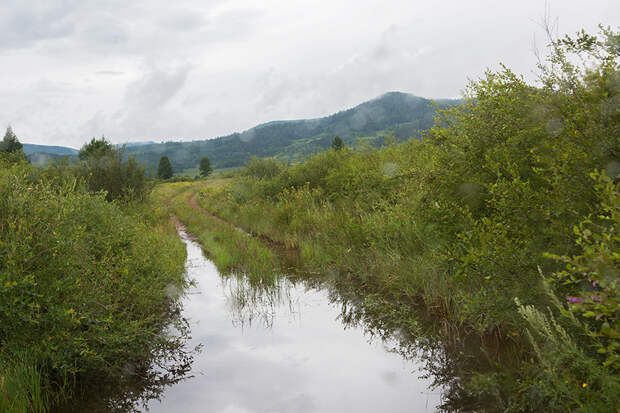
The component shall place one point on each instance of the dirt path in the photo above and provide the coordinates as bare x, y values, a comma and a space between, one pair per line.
193, 202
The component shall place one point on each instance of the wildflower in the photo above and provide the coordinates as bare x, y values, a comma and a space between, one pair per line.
574, 299
584, 385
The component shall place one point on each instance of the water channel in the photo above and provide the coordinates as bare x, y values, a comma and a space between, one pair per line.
285, 349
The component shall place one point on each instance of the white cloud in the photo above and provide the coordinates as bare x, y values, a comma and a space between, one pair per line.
154, 69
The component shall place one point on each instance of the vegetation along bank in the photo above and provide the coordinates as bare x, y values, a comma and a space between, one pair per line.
90, 270
502, 222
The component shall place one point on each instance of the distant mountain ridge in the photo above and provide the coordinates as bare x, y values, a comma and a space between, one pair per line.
131, 144
403, 114
30, 148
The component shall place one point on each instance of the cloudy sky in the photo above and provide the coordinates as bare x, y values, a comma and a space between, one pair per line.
193, 69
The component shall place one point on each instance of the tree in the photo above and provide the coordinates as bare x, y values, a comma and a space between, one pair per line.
96, 148
205, 167
337, 143
105, 168
10, 143
164, 171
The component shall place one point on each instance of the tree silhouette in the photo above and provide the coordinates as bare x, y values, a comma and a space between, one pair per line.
10, 143
337, 143
164, 171
96, 148
205, 166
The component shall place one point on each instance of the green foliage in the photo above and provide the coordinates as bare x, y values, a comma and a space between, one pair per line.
262, 168
564, 377
232, 250
10, 158
96, 149
82, 282
103, 168
594, 274
466, 219
205, 167
119, 179
10, 143
164, 170
290, 141
337, 143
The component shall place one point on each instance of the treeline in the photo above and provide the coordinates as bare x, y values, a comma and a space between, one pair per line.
403, 114
503, 221
165, 169
87, 266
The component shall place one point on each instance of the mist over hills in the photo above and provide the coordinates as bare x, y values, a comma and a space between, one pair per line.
30, 149
292, 140
43, 154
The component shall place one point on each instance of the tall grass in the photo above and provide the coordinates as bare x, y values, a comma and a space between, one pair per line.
231, 249
465, 220
21, 387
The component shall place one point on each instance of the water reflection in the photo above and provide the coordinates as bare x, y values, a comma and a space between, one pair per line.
281, 347
448, 356
249, 303
297, 344
169, 363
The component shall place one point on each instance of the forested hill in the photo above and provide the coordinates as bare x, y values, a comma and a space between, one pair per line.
42, 154
30, 148
404, 114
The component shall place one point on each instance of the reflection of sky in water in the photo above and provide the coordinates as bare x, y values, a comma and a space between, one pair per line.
297, 359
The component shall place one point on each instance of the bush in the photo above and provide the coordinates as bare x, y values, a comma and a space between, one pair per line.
468, 218
103, 168
82, 283
262, 168
593, 276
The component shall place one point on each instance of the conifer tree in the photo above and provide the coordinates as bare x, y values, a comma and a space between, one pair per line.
205, 167
164, 171
10, 143
337, 143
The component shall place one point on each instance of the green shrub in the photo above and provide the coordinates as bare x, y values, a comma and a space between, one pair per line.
593, 276
466, 219
82, 282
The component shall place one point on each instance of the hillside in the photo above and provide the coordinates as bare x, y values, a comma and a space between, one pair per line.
30, 149
404, 114
43, 154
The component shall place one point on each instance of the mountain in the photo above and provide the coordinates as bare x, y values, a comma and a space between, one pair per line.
403, 114
30, 149
131, 144
44, 154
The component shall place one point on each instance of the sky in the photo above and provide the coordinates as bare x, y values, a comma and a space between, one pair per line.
159, 70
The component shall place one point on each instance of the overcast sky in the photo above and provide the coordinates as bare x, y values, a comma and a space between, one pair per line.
181, 70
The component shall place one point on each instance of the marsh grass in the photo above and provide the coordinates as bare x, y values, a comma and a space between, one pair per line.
230, 249
465, 221
22, 386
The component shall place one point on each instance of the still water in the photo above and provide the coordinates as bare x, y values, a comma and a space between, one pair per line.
284, 349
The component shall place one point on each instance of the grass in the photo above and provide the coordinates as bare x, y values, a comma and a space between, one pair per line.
21, 386
231, 249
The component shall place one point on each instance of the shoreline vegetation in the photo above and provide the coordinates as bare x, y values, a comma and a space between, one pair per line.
499, 226
89, 281
502, 221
